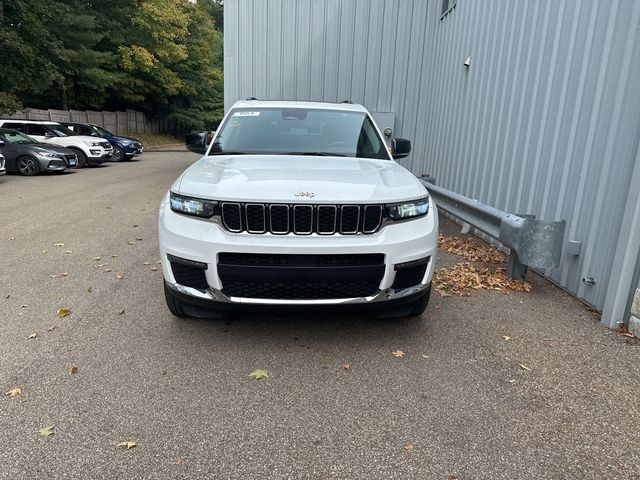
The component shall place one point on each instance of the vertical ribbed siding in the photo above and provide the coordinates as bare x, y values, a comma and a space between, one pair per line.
545, 121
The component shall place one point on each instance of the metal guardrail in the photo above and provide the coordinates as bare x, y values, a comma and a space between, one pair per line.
532, 243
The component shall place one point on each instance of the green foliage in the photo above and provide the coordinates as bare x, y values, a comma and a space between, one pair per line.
163, 57
9, 103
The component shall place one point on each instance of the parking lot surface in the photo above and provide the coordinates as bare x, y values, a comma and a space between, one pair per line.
558, 399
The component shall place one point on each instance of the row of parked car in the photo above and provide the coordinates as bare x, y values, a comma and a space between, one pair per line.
29, 147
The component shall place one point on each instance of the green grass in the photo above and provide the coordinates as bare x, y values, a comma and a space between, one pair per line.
156, 139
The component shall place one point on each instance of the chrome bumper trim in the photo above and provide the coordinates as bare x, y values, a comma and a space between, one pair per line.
215, 295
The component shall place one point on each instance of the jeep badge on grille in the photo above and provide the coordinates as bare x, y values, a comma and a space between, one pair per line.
305, 194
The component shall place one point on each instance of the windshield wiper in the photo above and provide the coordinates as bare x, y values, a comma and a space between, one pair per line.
316, 154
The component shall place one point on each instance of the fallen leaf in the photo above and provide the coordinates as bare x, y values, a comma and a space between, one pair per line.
120, 276
8, 295
139, 239
425, 356
108, 207
97, 259
107, 270
14, 392
512, 381
128, 444
89, 289
23, 306
135, 226
153, 269
158, 262
408, 446
524, 367
73, 370
506, 337
346, 366
147, 263
121, 312
33, 335
114, 256
12, 238
43, 252
51, 328
59, 244
470, 249
259, 373
398, 353
63, 312
46, 431
68, 251
59, 275
130, 242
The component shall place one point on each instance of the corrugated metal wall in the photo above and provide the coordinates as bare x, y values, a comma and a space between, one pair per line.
546, 120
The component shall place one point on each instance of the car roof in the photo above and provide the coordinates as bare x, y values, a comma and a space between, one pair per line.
21, 120
347, 107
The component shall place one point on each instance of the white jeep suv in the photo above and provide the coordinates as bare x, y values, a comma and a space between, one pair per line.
89, 150
298, 204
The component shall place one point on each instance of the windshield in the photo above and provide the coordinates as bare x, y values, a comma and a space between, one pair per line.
299, 131
61, 130
102, 131
16, 137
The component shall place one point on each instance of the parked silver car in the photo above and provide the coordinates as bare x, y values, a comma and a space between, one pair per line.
28, 157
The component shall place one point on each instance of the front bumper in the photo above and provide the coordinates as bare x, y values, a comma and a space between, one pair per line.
133, 151
203, 240
50, 164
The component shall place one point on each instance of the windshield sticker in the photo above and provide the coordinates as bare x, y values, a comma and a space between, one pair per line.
246, 114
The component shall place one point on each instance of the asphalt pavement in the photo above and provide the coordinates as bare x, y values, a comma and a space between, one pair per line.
457, 405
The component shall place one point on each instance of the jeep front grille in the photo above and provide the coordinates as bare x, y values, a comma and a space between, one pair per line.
282, 219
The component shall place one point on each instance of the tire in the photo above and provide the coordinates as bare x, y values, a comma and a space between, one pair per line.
174, 305
118, 154
420, 305
411, 310
28, 166
182, 309
82, 158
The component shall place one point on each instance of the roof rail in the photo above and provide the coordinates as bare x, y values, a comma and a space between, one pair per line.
346, 101
251, 98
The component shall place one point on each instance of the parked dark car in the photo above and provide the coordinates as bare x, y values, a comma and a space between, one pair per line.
124, 148
28, 157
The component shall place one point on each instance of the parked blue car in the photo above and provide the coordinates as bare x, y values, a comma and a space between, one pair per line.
124, 148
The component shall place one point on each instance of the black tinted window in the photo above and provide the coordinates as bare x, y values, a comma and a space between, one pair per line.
33, 129
13, 126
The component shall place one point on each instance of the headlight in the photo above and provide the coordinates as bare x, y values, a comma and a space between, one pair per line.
192, 206
50, 155
416, 208
93, 144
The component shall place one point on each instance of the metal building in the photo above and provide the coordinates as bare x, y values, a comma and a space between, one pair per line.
529, 106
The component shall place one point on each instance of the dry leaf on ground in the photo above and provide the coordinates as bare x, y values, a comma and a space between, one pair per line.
98, 258
59, 244
346, 366
398, 353
470, 249
73, 370
33, 335
524, 367
63, 312
128, 444
506, 337
46, 431
461, 278
51, 328
408, 446
14, 392
259, 374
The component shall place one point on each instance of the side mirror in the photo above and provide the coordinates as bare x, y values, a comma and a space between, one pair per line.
401, 148
49, 135
2, 143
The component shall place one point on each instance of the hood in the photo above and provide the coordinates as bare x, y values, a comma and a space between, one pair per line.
118, 138
47, 147
278, 178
